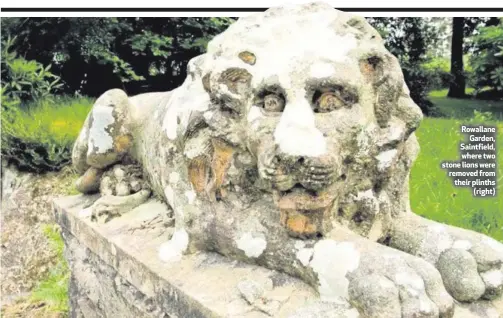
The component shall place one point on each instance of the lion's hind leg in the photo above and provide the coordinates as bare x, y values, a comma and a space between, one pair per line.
122, 187
104, 140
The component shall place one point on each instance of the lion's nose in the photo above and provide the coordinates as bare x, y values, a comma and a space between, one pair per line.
296, 134
300, 141
289, 160
311, 172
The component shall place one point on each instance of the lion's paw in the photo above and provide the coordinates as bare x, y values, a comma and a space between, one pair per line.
473, 267
110, 206
123, 180
395, 285
173, 250
471, 264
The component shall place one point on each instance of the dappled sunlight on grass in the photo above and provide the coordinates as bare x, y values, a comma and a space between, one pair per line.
463, 108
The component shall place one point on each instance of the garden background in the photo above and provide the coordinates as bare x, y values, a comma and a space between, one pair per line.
52, 70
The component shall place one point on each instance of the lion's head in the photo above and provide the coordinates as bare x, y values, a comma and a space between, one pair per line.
314, 96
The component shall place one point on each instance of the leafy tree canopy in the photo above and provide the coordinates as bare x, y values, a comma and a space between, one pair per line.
95, 54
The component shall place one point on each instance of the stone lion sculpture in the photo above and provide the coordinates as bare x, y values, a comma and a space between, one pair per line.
289, 145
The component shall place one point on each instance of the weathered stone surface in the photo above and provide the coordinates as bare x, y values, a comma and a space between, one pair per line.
90, 181
321, 309
116, 272
97, 290
293, 155
462, 256
461, 277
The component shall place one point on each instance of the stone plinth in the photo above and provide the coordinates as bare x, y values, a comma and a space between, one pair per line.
116, 272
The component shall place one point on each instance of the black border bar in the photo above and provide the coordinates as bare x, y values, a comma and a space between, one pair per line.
227, 9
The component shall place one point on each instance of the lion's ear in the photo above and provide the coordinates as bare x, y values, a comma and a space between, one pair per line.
237, 80
372, 68
208, 171
199, 171
385, 75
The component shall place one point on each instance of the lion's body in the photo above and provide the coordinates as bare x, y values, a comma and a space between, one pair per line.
294, 155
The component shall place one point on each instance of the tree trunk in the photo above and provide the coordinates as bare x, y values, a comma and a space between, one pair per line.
457, 86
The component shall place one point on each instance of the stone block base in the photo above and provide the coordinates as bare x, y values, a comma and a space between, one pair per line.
116, 272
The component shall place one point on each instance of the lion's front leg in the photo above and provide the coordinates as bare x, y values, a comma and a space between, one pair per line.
383, 282
181, 197
471, 264
378, 281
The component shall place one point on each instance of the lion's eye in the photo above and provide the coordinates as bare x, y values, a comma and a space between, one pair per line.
273, 103
327, 102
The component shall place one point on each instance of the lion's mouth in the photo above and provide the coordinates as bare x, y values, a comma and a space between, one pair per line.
303, 199
305, 213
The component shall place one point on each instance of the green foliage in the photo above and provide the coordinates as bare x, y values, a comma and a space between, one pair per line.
406, 38
438, 63
472, 24
24, 80
95, 54
53, 291
438, 72
487, 57
418, 81
8, 102
40, 136
432, 192
157, 44
482, 117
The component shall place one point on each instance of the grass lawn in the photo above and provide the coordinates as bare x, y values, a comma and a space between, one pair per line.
463, 108
432, 192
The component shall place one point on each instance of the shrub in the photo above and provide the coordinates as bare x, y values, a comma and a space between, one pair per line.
40, 136
23, 80
438, 72
487, 57
417, 80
